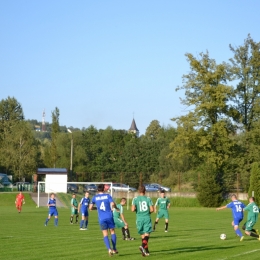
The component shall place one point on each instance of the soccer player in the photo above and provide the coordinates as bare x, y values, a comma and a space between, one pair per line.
237, 211
252, 217
74, 209
163, 204
143, 206
84, 204
19, 201
105, 206
52, 210
120, 221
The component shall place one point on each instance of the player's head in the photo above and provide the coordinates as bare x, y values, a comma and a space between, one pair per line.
52, 195
86, 194
141, 190
233, 197
123, 201
251, 199
100, 187
162, 193
73, 195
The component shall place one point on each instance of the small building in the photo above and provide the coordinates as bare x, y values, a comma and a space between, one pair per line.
5, 182
55, 179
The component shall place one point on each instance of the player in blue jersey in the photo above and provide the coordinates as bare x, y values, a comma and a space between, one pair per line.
84, 204
52, 210
237, 212
105, 205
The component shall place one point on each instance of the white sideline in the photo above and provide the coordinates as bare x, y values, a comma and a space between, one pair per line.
245, 253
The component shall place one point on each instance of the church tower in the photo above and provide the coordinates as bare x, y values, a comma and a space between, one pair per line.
133, 129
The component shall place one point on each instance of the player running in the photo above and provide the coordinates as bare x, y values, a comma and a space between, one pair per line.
252, 217
143, 206
105, 205
74, 209
52, 210
237, 211
120, 221
163, 204
84, 204
19, 201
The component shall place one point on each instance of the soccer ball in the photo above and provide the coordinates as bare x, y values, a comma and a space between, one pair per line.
223, 236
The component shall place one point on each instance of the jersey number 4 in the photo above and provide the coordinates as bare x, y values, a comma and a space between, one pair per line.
102, 206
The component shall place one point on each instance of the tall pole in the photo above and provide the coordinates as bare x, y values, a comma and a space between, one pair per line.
71, 156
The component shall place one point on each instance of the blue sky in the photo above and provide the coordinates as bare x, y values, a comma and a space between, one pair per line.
102, 62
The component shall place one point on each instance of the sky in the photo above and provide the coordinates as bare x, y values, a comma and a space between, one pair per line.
105, 62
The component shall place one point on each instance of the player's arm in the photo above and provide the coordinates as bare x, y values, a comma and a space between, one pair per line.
79, 207
152, 209
223, 207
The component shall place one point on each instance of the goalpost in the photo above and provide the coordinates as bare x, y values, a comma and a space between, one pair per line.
80, 189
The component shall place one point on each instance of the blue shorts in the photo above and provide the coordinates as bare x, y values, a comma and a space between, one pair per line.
84, 213
53, 212
237, 221
107, 224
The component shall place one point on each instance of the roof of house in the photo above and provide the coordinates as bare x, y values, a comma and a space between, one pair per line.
4, 179
52, 171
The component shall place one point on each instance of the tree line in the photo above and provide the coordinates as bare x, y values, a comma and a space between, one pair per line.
214, 146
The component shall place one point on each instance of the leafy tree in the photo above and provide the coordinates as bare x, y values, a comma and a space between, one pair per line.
153, 130
203, 134
255, 182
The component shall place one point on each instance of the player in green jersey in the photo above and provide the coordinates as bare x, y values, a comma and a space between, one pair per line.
74, 209
163, 204
120, 221
252, 217
143, 206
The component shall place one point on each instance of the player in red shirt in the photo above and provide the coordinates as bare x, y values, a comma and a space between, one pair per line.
19, 201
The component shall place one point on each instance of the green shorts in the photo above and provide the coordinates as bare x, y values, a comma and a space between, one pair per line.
163, 214
119, 223
144, 225
249, 225
74, 211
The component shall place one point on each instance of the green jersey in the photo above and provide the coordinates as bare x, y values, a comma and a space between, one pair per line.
142, 204
116, 214
162, 203
74, 202
253, 211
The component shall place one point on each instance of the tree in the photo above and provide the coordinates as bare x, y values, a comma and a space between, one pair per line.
246, 69
210, 193
203, 134
255, 182
153, 130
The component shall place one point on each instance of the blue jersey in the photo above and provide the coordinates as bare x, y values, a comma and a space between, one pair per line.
102, 202
237, 209
84, 204
52, 201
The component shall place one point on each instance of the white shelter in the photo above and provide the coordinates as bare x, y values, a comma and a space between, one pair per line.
55, 179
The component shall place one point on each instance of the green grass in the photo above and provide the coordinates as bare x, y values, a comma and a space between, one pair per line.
193, 234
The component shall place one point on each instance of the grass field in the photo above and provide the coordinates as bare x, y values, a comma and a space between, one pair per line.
193, 234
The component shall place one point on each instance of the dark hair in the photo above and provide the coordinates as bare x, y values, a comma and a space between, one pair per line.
253, 198
142, 189
101, 187
162, 191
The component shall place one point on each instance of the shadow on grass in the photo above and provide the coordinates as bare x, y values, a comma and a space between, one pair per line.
176, 251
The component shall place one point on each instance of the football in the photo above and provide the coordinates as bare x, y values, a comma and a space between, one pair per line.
223, 236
